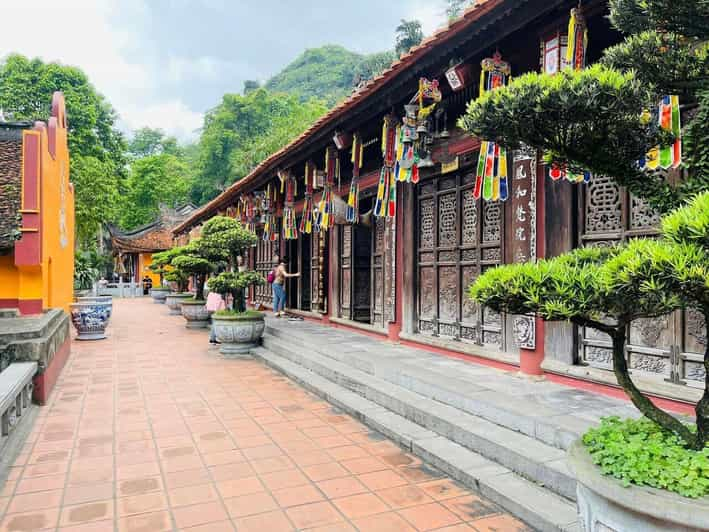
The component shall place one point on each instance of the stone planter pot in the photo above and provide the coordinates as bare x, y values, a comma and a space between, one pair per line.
195, 314
174, 302
237, 334
107, 300
604, 504
159, 294
90, 319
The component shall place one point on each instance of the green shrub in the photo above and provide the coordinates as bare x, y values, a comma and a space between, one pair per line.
642, 453
236, 315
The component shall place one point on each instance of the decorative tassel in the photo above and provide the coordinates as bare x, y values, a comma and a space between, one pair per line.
670, 155
491, 177
352, 214
326, 209
385, 204
290, 229
306, 221
577, 41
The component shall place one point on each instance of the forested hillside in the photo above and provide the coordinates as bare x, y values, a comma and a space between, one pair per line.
328, 73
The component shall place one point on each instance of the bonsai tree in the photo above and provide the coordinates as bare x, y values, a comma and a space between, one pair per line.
225, 239
187, 262
160, 263
597, 119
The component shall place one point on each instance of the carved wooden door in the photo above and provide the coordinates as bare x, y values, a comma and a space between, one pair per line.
457, 238
265, 252
345, 310
314, 270
666, 348
378, 269
306, 263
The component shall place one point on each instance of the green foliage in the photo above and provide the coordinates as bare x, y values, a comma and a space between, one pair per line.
373, 64
696, 143
85, 271
639, 452
690, 18
148, 141
230, 282
455, 8
179, 277
235, 315
153, 180
689, 223
243, 130
96, 147
408, 35
192, 265
224, 238
592, 119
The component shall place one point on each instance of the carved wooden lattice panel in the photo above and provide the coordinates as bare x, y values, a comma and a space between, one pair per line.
457, 237
667, 348
378, 265
346, 272
265, 255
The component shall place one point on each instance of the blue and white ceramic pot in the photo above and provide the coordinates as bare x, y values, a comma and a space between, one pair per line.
90, 319
108, 300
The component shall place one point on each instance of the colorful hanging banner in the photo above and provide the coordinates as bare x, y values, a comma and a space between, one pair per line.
290, 228
491, 175
669, 155
326, 209
352, 213
306, 220
385, 205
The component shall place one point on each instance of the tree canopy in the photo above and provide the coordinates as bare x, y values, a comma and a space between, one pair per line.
408, 35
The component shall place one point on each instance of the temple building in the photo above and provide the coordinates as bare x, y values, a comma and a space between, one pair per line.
389, 211
133, 250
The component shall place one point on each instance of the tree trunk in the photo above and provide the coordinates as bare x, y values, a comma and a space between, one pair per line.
642, 403
702, 408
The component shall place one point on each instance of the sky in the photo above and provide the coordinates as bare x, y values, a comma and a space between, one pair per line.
163, 63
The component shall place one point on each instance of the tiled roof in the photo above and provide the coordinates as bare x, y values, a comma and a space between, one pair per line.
155, 236
440, 36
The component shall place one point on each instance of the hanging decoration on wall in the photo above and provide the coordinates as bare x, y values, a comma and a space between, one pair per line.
352, 214
326, 209
491, 176
290, 228
306, 220
385, 204
250, 213
668, 155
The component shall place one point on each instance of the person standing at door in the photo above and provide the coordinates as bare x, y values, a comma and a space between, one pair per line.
279, 287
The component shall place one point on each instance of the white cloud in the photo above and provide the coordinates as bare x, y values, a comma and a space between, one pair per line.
183, 122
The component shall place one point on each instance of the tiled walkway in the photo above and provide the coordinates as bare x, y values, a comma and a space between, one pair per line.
151, 430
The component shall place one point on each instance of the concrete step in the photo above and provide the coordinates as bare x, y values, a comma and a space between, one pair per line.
537, 506
526, 456
438, 382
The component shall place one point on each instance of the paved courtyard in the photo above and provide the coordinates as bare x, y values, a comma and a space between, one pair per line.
151, 430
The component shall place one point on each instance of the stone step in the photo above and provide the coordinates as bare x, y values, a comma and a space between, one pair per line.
419, 375
526, 456
537, 506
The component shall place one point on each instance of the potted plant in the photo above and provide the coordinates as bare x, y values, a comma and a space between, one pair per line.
237, 329
159, 265
179, 280
85, 274
192, 309
651, 474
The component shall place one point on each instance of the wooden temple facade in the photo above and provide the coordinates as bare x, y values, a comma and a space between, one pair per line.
404, 274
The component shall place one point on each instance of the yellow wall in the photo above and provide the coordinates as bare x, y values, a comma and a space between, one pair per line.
9, 277
144, 261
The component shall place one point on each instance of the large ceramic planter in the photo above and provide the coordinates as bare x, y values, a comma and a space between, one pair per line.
238, 334
90, 319
107, 300
195, 314
159, 294
605, 505
174, 302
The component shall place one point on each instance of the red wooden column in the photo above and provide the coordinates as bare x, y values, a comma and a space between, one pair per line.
527, 204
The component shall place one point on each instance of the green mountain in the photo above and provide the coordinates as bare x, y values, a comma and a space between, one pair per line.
329, 72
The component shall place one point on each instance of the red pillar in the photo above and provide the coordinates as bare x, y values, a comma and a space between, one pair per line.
530, 360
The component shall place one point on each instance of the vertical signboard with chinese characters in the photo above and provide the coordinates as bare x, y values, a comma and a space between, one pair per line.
523, 198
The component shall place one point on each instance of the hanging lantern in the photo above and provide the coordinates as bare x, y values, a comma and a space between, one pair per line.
352, 214
306, 221
491, 176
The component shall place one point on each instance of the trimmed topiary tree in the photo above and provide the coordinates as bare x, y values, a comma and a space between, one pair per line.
197, 266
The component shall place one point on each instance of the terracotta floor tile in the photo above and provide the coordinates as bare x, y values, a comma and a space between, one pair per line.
271, 465
289, 478
464, 527
358, 466
301, 495
241, 486
312, 515
400, 459
470, 507
429, 516
232, 471
84, 513
404, 496
137, 470
386, 522
499, 523
223, 457
341, 487
310, 458
378, 480
189, 477
48, 482
221, 526
91, 476
360, 505
35, 501
342, 526
275, 521
192, 495
138, 486
325, 471
148, 522
93, 526
199, 514
88, 492
254, 503
348, 452
36, 520
263, 451
40, 470
443, 489
138, 504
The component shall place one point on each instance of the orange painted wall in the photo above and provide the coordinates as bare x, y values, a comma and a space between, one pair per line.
144, 261
41, 267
